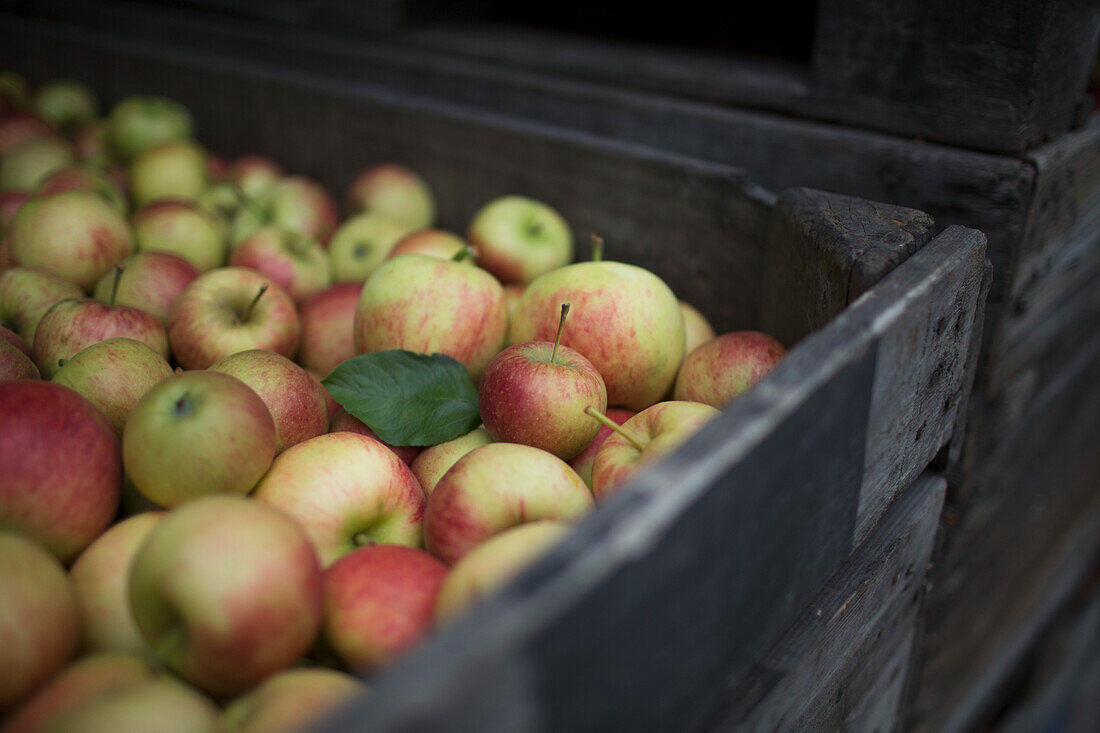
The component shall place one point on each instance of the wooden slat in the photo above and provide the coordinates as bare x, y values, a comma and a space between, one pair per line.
824, 251
844, 651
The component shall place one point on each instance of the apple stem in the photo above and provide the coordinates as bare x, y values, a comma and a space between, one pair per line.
597, 248
248, 310
593, 412
561, 327
62, 362
114, 285
463, 253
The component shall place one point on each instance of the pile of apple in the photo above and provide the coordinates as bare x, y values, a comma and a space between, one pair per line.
247, 447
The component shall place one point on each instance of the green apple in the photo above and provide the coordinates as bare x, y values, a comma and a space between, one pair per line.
291, 700
518, 238
196, 433
176, 708
24, 167
394, 191
361, 244
430, 465
66, 104
697, 329
26, 294
181, 228
171, 170
140, 122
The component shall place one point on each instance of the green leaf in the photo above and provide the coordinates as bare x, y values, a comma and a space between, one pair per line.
407, 398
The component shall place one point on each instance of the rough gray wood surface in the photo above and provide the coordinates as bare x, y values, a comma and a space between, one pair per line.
824, 251
850, 646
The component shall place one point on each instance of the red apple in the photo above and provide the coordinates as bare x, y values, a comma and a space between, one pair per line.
379, 602
196, 433
495, 487
647, 437
429, 305
296, 401
228, 310
294, 261
60, 465
627, 323
726, 367
15, 364
73, 325
345, 490
436, 460
394, 191
150, 281
38, 621
76, 235
227, 590
582, 462
328, 333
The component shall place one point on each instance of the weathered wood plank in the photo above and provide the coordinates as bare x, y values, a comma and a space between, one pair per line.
919, 377
824, 251
853, 628
1019, 534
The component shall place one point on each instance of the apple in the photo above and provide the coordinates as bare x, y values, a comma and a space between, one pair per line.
10, 203
495, 487
176, 708
25, 296
81, 682
253, 174
196, 433
227, 591
361, 244
171, 170
345, 490
75, 234
328, 333
518, 238
181, 228
14, 92
647, 437
222, 199
140, 122
395, 191
291, 700
493, 563
15, 364
60, 464
294, 261
100, 578
627, 323
435, 242
228, 310
582, 462
429, 305
512, 294
296, 401
38, 621
22, 127
296, 203
434, 461
91, 144
217, 166
113, 375
66, 104
379, 602
25, 166
727, 366
697, 329
14, 339
150, 281
344, 422
84, 177
74, 324
536, 393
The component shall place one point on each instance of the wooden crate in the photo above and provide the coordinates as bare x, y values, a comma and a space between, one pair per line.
1041, 212
769, 500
